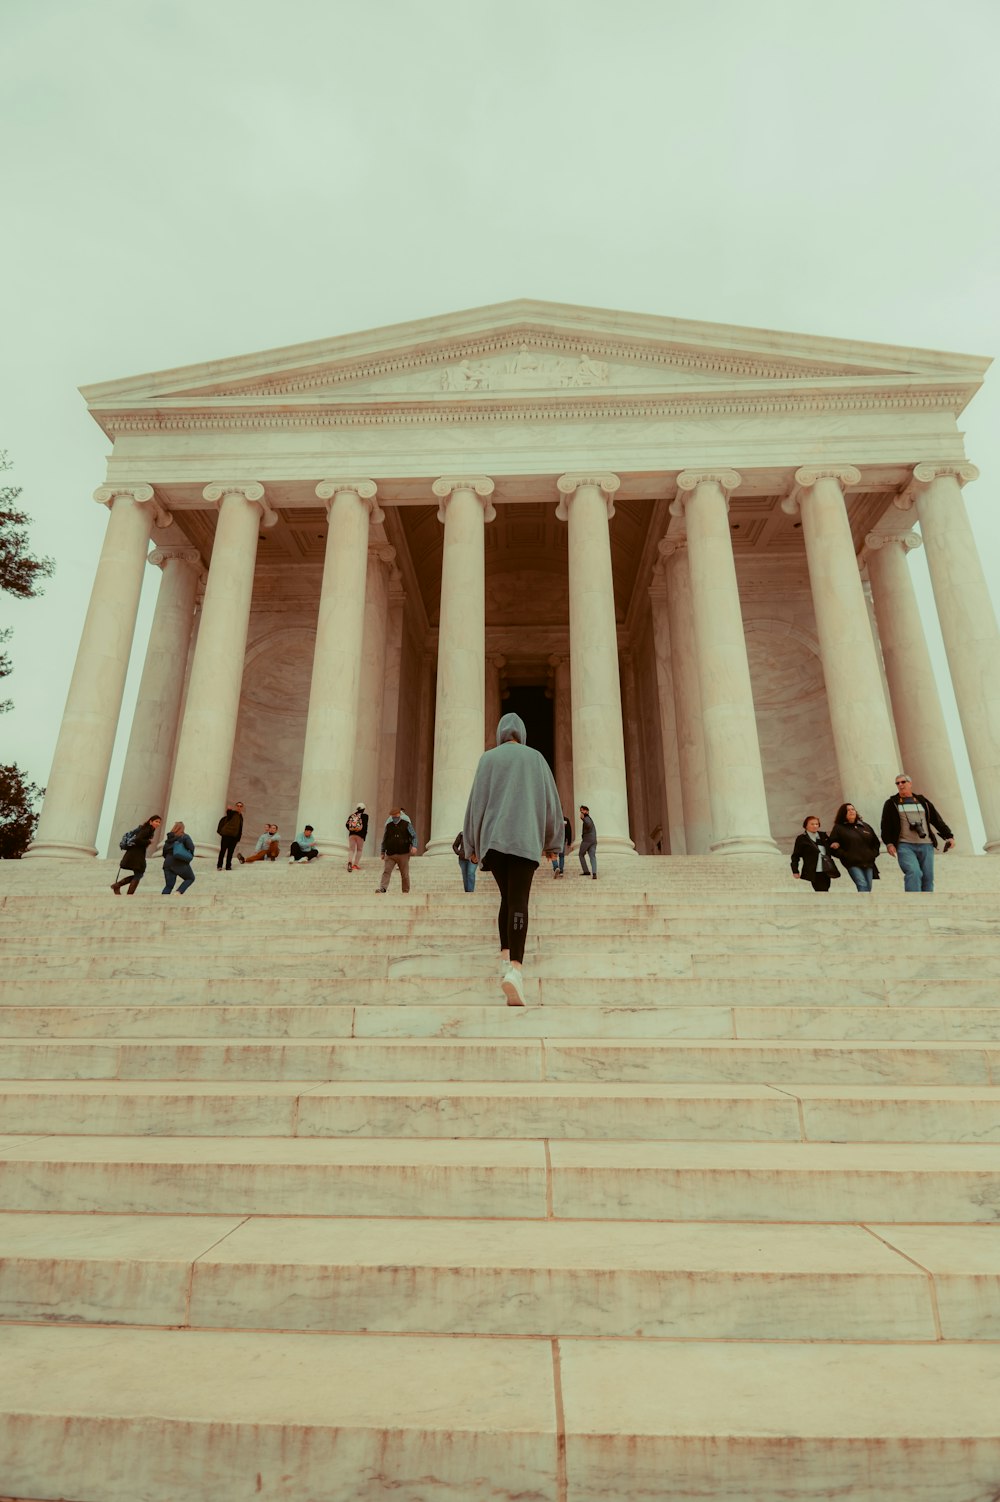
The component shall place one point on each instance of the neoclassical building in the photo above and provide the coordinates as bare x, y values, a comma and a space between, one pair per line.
678, 550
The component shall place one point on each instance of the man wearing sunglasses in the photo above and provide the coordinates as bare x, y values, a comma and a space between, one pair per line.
909, 821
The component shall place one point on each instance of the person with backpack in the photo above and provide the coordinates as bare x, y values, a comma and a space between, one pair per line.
467, 867
399, 842
357, 833
135, 844
230, 832
178, 859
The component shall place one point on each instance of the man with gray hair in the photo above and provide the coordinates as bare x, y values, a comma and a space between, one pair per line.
908, 824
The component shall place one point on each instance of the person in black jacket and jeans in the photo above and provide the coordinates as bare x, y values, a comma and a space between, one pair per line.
134, 856
908, 824
230, 832
812, 851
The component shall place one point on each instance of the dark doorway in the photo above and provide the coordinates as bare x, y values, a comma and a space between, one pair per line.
537, 712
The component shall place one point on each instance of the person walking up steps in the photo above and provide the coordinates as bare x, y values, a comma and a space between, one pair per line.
512, 819
178, 859
399, 842
467, 867
559, 861
230, 832
135, 844
357, 833
588, 843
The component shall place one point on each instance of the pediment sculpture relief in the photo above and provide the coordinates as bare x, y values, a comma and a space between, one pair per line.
526, 371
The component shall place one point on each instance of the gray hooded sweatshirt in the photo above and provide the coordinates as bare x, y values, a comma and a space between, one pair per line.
514, 805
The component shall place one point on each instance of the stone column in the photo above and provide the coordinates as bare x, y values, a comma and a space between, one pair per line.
495, 665
390, 711
77, 781
732, 750
635, 775
862, 730
587, 505
692, 756
968, 625
425, 745
563, 726
921, 730
675, 843
459, 727
371, 696
326, 794
200, 783
149, 759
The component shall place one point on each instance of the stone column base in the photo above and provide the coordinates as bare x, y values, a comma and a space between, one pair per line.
745, 845
60, 851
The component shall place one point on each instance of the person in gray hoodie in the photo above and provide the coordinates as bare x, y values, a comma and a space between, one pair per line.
513, 817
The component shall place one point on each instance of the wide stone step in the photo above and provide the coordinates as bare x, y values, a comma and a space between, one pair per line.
239, 1415
521, 1179
549, 1278
650, 1060
900, 1023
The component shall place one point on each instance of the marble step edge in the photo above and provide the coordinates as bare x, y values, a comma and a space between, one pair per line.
597, 1112
87, 1021
580, 1279
503, 1179
442, 1419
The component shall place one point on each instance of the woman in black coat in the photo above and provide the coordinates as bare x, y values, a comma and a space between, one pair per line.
811, 851
856, 845
134, 856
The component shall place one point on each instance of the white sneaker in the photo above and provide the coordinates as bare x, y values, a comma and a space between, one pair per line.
291, 860
513, 987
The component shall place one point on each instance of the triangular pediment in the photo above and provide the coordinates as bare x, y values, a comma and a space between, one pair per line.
530, 349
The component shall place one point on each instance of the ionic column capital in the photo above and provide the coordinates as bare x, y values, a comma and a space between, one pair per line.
251, 491
925, 474
689, 480
160, 557
480, 485
142, 495
568, 485
382, 552
874, 541
365, 490
810, 475
667, 547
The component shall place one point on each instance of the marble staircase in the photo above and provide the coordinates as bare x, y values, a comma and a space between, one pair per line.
292, 1206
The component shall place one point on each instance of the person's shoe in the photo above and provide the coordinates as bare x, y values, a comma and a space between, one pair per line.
116, 889
513, 987
380, 891
241, 858
350, 866
291, 860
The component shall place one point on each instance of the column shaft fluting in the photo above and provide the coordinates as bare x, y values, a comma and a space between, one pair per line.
372, 690
635, 770
862, 729
79, 775
562, 712
691, 754
459, 725
732, 750
494, 699
387, 795
149, 758
326, 793
676, 841
200, 784
920, 724
968, 626
598, 732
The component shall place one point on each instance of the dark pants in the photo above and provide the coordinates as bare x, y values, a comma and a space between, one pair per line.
171, 870
227, 848
512, 874
821, 881
297, 851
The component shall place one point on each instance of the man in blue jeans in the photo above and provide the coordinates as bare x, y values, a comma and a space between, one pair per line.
909, 821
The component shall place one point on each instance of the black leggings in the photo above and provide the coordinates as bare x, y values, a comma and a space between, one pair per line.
512, 874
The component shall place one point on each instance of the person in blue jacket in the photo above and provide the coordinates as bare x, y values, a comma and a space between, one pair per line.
174, 864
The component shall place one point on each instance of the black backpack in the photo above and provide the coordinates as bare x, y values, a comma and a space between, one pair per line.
131, 838
397, 838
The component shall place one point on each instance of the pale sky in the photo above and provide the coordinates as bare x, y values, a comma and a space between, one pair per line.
192, 179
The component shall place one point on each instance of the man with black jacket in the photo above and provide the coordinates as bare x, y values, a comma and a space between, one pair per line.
908, 824
230, 832
399, 842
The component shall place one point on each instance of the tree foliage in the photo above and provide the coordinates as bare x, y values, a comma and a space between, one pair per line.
18, 816
21, 573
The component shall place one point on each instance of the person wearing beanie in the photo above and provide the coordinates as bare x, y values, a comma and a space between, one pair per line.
357, 833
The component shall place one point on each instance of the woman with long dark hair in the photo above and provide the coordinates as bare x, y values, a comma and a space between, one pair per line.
855, 845
134, 855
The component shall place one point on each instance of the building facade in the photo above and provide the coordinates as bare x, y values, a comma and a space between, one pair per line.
678, 550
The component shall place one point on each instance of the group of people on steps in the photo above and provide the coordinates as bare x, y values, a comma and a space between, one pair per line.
909, 828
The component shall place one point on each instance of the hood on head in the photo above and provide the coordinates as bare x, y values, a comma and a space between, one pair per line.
511, 727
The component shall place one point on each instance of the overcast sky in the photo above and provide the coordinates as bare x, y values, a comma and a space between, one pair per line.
191, 179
